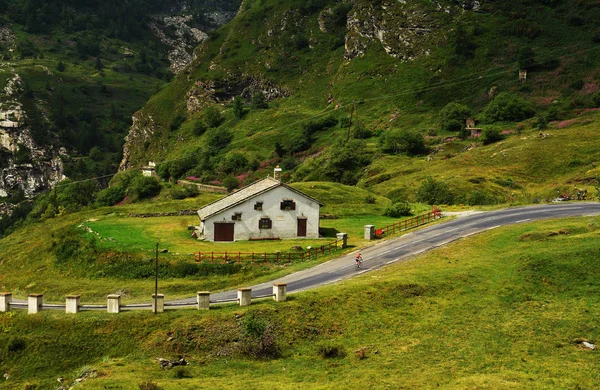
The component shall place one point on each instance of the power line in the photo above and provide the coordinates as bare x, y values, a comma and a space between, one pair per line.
327, 111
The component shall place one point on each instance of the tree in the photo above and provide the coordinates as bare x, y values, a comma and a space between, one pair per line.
238, 108
98, 65
231, 182
491, 134
433, 192
410, 142
507, 108
144, 187
345, 162
453, 116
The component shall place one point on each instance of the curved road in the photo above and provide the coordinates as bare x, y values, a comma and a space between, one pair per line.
392, 250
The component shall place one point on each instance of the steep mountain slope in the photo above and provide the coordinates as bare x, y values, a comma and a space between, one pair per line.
327, 88
72, 74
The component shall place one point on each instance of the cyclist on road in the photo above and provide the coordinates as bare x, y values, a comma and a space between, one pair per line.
358, 260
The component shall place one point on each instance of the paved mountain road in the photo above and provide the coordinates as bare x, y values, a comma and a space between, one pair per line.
393, 250
408, 245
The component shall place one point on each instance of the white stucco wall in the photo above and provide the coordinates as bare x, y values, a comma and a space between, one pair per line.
284, 223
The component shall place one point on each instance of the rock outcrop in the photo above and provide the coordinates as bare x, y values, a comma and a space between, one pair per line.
24, 165
204, 93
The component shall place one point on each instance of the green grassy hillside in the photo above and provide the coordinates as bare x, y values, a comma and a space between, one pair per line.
313, 128
509, 308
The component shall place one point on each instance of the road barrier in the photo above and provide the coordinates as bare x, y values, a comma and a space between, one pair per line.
34, 303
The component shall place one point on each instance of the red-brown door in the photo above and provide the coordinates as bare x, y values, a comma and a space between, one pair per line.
302, 228
224, 231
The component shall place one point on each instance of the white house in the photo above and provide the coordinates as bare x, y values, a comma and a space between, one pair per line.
265, 209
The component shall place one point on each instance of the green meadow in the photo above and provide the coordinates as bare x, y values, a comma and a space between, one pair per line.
509, 308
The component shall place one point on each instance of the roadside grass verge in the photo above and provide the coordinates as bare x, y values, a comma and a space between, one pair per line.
504, 309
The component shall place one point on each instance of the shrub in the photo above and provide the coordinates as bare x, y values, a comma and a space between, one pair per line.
234, 162
177, 122
507, 108
149, 385
491, 134
362, 132
212, 117
259, 101
432, 192
15, 345
199, 128
181, 373
370, 199
312, 127
238, 107
410, 142
218, 138
397, 210
187, 191
541, 122
144, 187
479, 197
231, 182
110, 196
453, 116
259, 338
331, 351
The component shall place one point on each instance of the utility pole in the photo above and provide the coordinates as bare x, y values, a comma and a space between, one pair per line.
156, 282
353, 114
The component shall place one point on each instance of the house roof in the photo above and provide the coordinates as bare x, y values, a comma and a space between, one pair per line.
245, 193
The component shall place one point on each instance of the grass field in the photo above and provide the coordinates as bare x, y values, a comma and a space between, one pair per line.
508, 308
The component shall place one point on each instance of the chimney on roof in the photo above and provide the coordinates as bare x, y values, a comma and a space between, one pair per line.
277, 173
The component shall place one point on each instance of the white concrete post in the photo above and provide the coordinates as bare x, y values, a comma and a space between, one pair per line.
114, 303
72, 304
369, 232
5, 299
159, 301
203, 300
244, 296
343, 237
34, 303
279, 292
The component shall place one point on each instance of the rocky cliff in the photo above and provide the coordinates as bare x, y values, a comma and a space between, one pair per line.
24, 165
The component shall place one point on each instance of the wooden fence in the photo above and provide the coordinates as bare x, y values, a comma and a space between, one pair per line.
264, 257
410, 223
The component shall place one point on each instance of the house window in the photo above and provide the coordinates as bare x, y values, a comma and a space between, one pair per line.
288, 204
258, 206
265, 223
236, 217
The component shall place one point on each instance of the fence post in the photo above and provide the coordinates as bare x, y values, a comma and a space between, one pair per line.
244, 296
279, 292
113, 303
5, 299
34, 303
203, 300
369, 232
160, 303
72, 304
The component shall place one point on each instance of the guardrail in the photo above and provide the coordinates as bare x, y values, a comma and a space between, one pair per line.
34, 304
